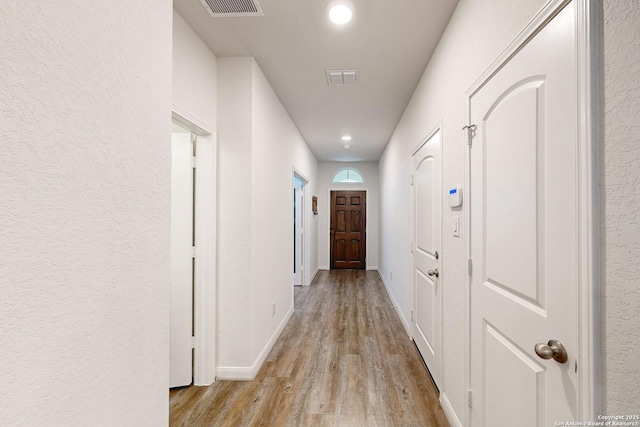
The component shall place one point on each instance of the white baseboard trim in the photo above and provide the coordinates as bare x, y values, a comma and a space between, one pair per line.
234, 373
244, 373
374, 268
448, 411
313, 276
405, 323
323, 267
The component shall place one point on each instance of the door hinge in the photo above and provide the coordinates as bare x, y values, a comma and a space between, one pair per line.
411, 180
193, 342
194, 161
470, 267
193, 251
411, 311
411, 247
469, 398
471, 131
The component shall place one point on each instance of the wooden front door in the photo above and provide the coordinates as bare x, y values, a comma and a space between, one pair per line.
348, 229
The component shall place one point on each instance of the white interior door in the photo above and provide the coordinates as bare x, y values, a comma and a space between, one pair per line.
181, 260
427, 318
524, 242
298, 231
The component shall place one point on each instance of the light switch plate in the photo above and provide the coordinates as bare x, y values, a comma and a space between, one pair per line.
456, 226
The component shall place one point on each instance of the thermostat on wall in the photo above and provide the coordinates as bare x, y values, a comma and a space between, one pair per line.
455, 197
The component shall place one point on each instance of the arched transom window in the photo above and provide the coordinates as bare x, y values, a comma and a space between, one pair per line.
348, 175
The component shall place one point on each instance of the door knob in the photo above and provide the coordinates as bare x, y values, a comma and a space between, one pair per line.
434, 273
553, 349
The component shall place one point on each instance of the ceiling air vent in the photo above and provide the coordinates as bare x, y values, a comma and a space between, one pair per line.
232, 8
342, 77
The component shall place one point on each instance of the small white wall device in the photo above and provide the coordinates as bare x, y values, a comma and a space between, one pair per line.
455, 197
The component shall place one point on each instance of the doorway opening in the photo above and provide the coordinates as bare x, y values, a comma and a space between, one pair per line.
299, 216
193, 245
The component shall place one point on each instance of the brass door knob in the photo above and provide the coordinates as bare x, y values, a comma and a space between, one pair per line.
553, 349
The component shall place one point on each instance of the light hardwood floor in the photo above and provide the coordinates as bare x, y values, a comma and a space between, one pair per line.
343, 359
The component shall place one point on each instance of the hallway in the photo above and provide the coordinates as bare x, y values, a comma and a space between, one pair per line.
343, 359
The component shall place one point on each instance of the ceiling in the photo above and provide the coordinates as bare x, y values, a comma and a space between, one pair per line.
389, 42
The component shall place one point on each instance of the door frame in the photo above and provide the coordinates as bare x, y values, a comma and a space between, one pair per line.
348, 187
589, 292
437, 128
204, 296
305, 223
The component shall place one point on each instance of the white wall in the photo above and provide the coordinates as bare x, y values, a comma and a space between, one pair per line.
369, 170
85, 106
259, 149
234, 212
195, 76
476, 34
278, 148
195, 99
621, 222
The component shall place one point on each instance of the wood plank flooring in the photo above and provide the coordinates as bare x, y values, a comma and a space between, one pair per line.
343, 359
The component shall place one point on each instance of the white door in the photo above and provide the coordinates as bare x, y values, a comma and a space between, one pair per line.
427, 317
181, 260
524, 240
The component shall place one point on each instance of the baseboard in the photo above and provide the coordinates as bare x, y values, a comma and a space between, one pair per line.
448, 411
234, 373
243, 373
313, 276
272, 341
403, 320
323, 267
374, 268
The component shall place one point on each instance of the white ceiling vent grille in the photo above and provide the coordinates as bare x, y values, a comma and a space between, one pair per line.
232, 8
342, 77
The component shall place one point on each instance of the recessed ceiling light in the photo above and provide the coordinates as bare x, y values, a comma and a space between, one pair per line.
346, 147
346, 138
340, 11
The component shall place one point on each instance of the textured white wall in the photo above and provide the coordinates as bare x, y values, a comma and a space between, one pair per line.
277, 147
259, 147
85, 102
195, 74
478, 31
234, 212
621, 203
369, 171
